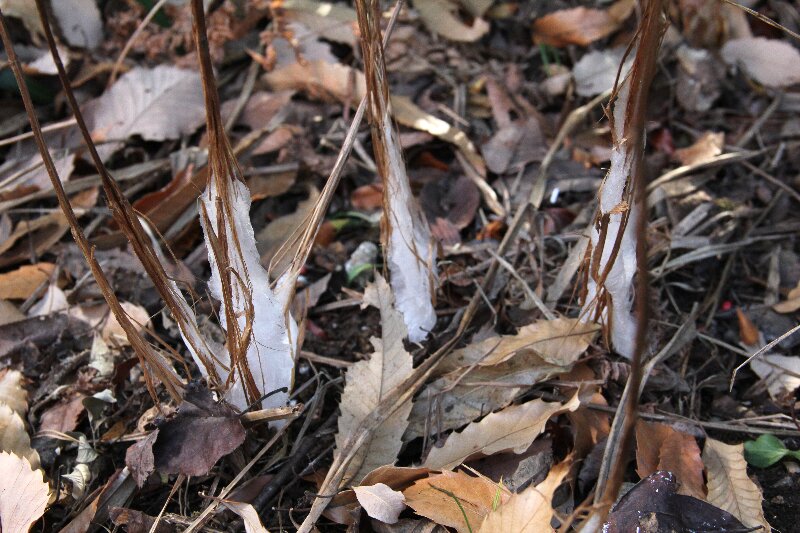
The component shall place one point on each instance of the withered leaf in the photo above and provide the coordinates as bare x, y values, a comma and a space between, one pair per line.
661, 447
139, 458
201, 433
653, 505
23, 494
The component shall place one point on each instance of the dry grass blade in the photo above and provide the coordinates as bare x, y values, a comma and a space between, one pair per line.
149, 358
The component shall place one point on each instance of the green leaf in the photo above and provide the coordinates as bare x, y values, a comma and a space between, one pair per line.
765, 451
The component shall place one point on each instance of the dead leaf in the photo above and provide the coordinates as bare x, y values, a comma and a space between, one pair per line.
580, 25
9, 313
368, 382
660, 447
271, 238
560, 342
14, 438
260, 109
779, 372
136, 521
252, 523
26, 12
461, 396
381, 502
705, 148
770, 62
653, 505
748, 332
63, 416
333, 21
529, 511
139, 458
23, 493
12, 394
596, 71
21, 283
442, 497
441, 17
157, 104
367, 197
729, 488
514, 145
792, 302
201, 433
80, 22
513, 428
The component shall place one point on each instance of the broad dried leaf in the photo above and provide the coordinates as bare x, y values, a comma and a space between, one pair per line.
660, 447
729, 488
770, 62
333, 21
708, 146
748, 332
559, 342
580, 25
23, 494
25, 11
63, 416
381, 502
792, 302
512, 429
463, 395
368, 382
20, 284
157, 104
435, 498
597, 70
201, 433
529, 511
139, 458
13, 437
11, 392
441, 16
248, 513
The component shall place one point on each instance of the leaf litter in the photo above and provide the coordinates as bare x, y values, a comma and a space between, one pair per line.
450, 363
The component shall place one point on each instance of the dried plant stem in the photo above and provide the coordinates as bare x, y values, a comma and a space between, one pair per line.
148, 357
128, 221
651, 29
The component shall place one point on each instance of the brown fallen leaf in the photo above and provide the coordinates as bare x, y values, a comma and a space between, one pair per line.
529, 511
454, 499
661, 447
63, 416
512, 429
441, 17
136, 521
770, 62
748, 332
192, 442
21, 283
23, 494
367, 197
705, 148
381, 502
580, 25
792, 302
139, 458
514, 145
248, 513
729, 487
653, 505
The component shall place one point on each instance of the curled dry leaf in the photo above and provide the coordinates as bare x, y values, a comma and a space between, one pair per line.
368, 382
454, 499
441, 16
729, 488
597, 70
529, 511
23, 493
580, 25
333, 21
80, 22
513, 428
381, 502
779, 372
792, 302
770, 62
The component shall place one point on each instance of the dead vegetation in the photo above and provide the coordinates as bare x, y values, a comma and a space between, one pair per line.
551, 283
